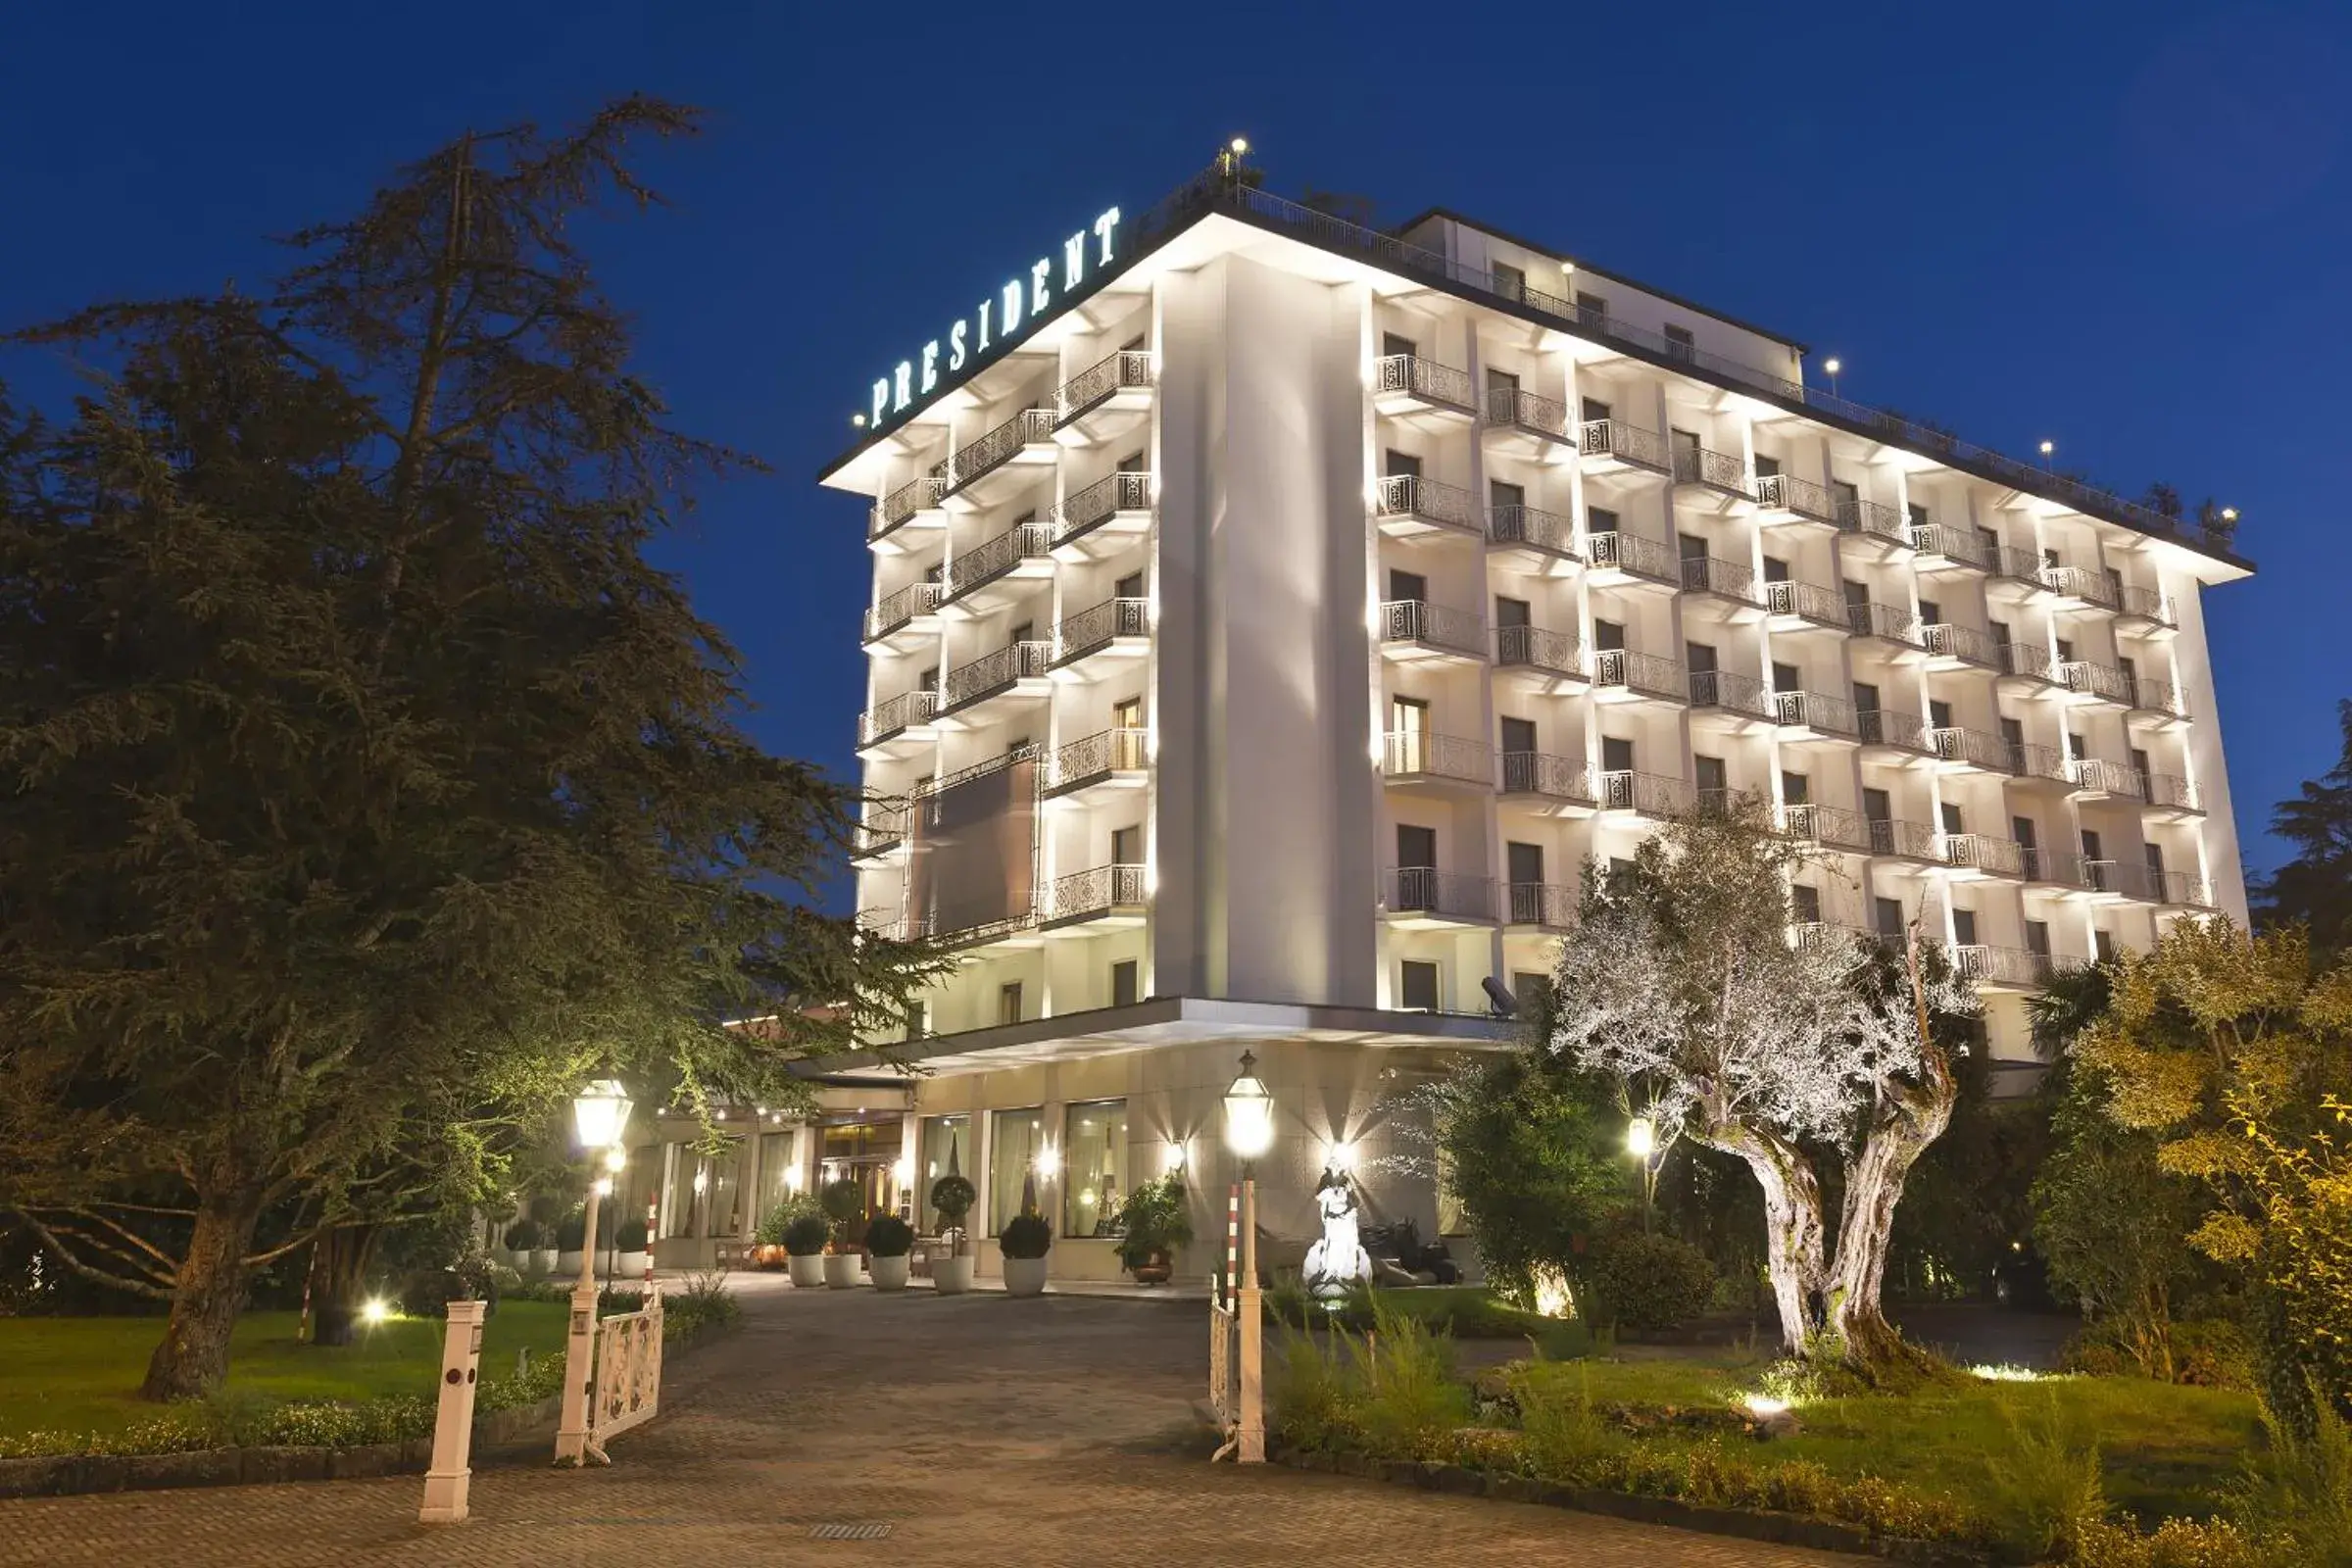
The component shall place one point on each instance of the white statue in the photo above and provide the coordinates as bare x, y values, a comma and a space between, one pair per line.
1339, 1259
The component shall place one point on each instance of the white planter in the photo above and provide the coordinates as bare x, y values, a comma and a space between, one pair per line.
567, 1264
542, 1260
807, 1270
1024, 1276
633, 1265
840, 1270
890, 1273
952, 1276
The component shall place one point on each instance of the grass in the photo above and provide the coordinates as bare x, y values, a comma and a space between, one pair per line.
81, 1374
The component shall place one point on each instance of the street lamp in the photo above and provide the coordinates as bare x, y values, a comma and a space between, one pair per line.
1249, 1133
2047, 447
1832, 366
598, 1113
1642, 1142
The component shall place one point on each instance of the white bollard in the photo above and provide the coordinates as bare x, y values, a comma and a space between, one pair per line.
448, 1481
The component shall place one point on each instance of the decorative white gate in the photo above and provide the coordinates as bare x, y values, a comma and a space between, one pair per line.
629, 1372
1224, 1399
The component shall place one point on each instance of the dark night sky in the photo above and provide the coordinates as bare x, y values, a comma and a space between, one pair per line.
2121, 225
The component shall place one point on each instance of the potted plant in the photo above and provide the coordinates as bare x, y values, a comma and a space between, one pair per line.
1154, 1224
1026, 1239
953, 1197
770, 1250
572, 1239
888, 1241
804, 1241
844, 1201
546, 1208
522, 1242
630, 1237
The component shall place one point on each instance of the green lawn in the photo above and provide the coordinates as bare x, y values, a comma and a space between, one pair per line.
81, 1374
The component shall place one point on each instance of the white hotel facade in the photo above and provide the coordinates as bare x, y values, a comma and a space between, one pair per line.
1267, 632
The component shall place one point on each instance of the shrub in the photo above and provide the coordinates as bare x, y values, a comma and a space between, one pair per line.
630, 1235
1565, 1436
524, 1236
1314, 1408
1026, 1236
889, 1237
572, 1232
1647, 1282
842, 1200
704, 1302
953, 1197
2048, 1480
2301, 1489
1155, 1221
545, 1208
806, 1236
780, 1216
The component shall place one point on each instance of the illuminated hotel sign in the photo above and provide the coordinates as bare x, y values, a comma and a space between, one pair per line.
1001, 319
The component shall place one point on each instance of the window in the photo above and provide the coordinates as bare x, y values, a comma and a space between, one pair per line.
1501, 494
2066, 648
1616, 754
1518, 738
1526, 864
1607, 634
947, 1146
1594, 410
1918, 513
1417, 986
1886, 917
1093, 1167
1701, 656
2038, 938
2102, 943
1679, 345
1593, 311
1400, 465
2090, 845
1989, 545
1009, 1001
1963, 927
1876, 806
1940, 713
1775, 570
1866, 701
1135, 463
1127, 713
1787, 677
1767, 468
1796, 788
1416, 847
2029, 844
2013, 736
1130, 586
1953, 822
1408, 734
1127, 846
1600, 520
1392, 344
1930, 614
1509, 281
1805, 904
1527, 985
919, 1019
1714, 779
1506, 383
1125, 983
1846, 500
1014, 1138
1404, 584
727, 1173
775, 1167
1511, 611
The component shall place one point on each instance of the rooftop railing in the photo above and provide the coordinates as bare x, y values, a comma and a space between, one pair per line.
897, 610
1425, 380
1516, 523
1084, 511
1417, 621
1116, 373
1645, 673
1533, 648
1408, 495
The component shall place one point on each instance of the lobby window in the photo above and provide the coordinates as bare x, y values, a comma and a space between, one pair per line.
1417, 986
1126, 984
1014, 1138
946, 1144
1009, 1003
1094, 1166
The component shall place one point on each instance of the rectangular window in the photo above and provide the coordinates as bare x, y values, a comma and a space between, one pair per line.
1404, 584
1918, 513
1593, 310
1417, 986
2102, 943
1767, 468
1796, 788
1509, 281
1845, 500
1775, 570
1013, 1140
1518, 737
947, 1146
1886, 917
1952, 823
1713, 777
1607, 634
1616, 754
1930, 614
1416, 847
1094, 1166
1595, 410
727, 1191
1127, 846
1501, 494
1940, 713
1400, 465
775, 1171
2038, 938
1805, 904
1130, 586
1963, 927
1126, 983
1525, 863
1679, 345
1392, 344
1600, 520
1511, 611
1787, 677
1501, 381
1009, 1003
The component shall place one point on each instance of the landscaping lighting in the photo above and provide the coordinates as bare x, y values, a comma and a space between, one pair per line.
375, 1309
2006, 1374
1640, 1138
1248, 1112
1763, 1404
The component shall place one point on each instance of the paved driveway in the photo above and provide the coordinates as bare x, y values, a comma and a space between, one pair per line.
980, 1430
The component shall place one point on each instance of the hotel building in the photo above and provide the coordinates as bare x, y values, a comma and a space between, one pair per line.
1272, 617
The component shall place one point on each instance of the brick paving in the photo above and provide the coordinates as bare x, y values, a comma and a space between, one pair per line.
981, 1429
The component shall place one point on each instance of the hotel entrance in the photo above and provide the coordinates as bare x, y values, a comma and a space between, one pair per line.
869, 1152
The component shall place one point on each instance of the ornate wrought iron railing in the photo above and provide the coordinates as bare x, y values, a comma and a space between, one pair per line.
1514, 523
2030, 760
991, 451
1627, 443
991, 559
1983, 851
1418, 754
1891, 726
2099, 680
2079, 582
2002, 965
1811, 601
1953, 543
1417, 621
1785, 492
1858, 515
1712, 574
1409, 495
1426, 890
1533, 648
1832, 825
1894, 623
1113, 373
1539, 773
1726, 688
883, 826
2030, 659
1542, 904
887, 718
1637, 553
2172, 792
1098, 756
2148, 604
1973, 746
1947, 640
2106, 778
2154, 696
1645, 673
2007, 560
1097, 890
1817, 711
1084, 511
1425, 380
1650, 794
1913, 841
993, 672
905, 502
897, 609
1717, 470
1525, 411
1098, 625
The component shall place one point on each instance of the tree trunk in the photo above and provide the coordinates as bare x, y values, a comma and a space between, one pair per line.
339, 1262
1903, 1131
205, 1298
1794, 1239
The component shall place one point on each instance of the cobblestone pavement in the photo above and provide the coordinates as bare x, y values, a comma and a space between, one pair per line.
980, 1430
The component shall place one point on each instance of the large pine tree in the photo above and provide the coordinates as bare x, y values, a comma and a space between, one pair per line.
2315, 888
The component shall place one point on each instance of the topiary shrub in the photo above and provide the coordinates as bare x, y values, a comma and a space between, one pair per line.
572, 1232
1648, 1283
805, 1237
889, 1237
842, 1202
1026, 1236
546, 1208
524, 1236
953, 1197
631, 1236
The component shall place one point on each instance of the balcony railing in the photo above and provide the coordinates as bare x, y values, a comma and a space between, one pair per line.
1408, 495
1725, 801
1627, 443
2029, 760
1426, 890
1097, 890
2079, 582
1817, 711
1974, 747
1098, 756
1543, 417
2106, 778
1637, 553
887, 718
1418, 622
998, 446
1425, 380
1809, 600
1084, 511
1912, 840
1645, 673
2014, 966
2148, 604
993, 671
1983, 851
2099, 680
1543, 903
1098, 625
2152, 696
914, 495
883, 827
1513, 524
991, 559
1711, 574
2030, 659
1965, 643
897, 610
1650, 794
1726, 688
1953, 544
1889, 726
2024, 565
1873, 517
1832, 825
1785, 492
1107, 377
1418, 754
2183, 888
1533, 648
1717, 470
2172, 792
1538, 773
1870, 619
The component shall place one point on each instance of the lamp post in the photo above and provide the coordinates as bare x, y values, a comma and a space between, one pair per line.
1832, 366
616, 1160
1642, 1142
1249, 1133
598, 1113
2047, 448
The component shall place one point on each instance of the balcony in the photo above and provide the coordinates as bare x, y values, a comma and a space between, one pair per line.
887, 721
914, 497
896, 611
1889, 727
1003, 671
1544, 653
1422, 897
1972, 749
1110, 893
1108, 756
1871, 519
1727, 802
976, 471
1412, 755
2030, 661
1830, 826
1946, 549
1785, 498
1867, 617
2172, 794
1546, 905
1515, 526
1950, 646
1545, 421
1414, 627
1111, 624
2017, 566
1806, 602
1024, 549
1732, 692
1611, 446
1619, 675
1720, 472
1407, 384
2090, 775
1117, 383
1408, 505
1551, 778
1981, 852
1620, 558
2159, 700
2100, 682
883, 829
2148, 605
2185, 889
1647, 794
1120, 505
2005, 968
1710, 574
2030, 761
2080, 586
1913, 841
1822, 715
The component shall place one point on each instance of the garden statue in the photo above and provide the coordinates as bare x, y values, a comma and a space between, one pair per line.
1339, 1261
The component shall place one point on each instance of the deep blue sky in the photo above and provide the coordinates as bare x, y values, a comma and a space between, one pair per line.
2123, 226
